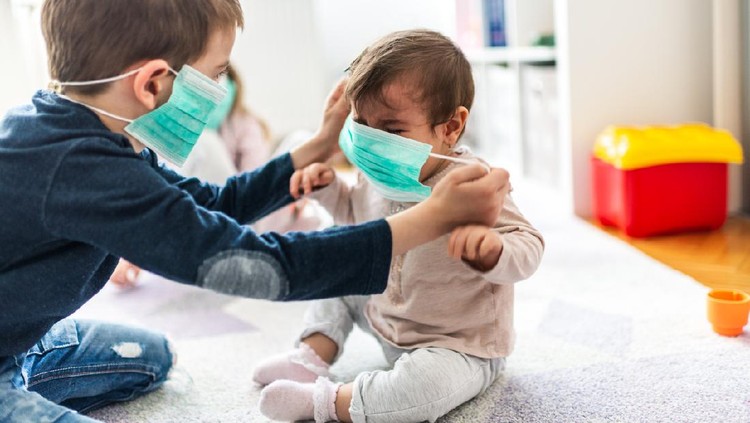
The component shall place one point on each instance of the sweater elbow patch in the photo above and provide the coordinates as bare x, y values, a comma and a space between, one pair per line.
248, 274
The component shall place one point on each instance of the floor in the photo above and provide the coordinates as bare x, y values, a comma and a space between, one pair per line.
598, 340
718, 259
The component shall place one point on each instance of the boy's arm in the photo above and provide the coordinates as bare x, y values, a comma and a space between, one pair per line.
113, 200
125, 208
246, 197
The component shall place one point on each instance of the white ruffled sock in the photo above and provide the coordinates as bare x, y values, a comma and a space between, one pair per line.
287, 400
301, 364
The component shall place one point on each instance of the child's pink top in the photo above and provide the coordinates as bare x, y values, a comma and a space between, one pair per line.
432, 299
247, 146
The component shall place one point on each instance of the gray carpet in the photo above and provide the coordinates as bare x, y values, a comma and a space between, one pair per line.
604, 334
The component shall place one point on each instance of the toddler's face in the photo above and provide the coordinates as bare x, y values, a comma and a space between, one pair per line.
401, 114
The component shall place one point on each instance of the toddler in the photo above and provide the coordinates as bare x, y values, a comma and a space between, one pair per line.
445, 325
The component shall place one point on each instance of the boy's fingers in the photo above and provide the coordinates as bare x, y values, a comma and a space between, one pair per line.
466, 173
497, 180
487, 247
452, 242
307, 184
294, 186
460, 244
337, 92
472, 245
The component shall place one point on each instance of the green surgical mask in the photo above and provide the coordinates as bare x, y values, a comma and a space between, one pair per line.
224, 108
391, 163
173, 128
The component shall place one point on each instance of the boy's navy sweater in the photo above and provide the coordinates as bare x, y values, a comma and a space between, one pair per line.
74, 197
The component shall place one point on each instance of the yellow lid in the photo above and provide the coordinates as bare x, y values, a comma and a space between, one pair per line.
633, 147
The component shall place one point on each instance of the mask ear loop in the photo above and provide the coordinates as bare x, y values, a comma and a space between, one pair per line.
57, 86
96, 109
459, 160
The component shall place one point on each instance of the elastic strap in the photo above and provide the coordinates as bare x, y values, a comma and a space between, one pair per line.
96, 109
459, 160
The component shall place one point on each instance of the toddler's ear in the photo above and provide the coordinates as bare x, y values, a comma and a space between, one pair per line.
455, 125
152, 84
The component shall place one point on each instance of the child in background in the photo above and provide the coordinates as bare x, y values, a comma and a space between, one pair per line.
445, 325
81, 186
247, 136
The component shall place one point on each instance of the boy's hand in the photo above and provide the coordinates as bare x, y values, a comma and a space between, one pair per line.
466, 195
337, 108
325, 142
477, 245
304, 181
469, 195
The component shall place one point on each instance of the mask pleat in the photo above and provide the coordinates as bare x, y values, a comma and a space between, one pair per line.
173, 129
390, 162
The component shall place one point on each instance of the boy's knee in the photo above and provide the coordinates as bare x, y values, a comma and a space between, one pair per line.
152, 349
169, 358
164, 358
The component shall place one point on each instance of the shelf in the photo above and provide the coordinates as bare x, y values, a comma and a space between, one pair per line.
490, 55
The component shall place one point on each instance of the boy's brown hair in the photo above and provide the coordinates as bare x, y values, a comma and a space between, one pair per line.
96, 39
430, 60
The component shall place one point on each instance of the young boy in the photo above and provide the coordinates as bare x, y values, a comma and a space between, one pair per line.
445, 326
80, 189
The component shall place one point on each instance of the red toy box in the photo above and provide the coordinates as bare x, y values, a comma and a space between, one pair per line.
660, 180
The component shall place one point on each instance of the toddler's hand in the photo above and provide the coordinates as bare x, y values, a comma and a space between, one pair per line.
304, 181
479, 246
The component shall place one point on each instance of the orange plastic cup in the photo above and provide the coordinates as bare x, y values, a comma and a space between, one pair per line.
728, 310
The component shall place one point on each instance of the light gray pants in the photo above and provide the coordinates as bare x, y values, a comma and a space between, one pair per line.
424, 383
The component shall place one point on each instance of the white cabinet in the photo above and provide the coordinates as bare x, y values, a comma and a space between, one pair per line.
493, 130
540, 123
514, 122
636, 62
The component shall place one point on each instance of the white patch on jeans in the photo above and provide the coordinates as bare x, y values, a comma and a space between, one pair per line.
128, 349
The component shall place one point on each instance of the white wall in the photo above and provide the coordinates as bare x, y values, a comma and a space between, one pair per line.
290, 53
293, 51
635, 62
727, 72
24, 68
280, 60
346, 27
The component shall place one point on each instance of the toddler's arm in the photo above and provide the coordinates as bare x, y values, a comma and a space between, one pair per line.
506, 253
320, 183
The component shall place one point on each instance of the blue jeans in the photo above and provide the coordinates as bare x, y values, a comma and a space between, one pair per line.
79, 366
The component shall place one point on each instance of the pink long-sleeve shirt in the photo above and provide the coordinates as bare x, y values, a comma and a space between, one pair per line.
432, 299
